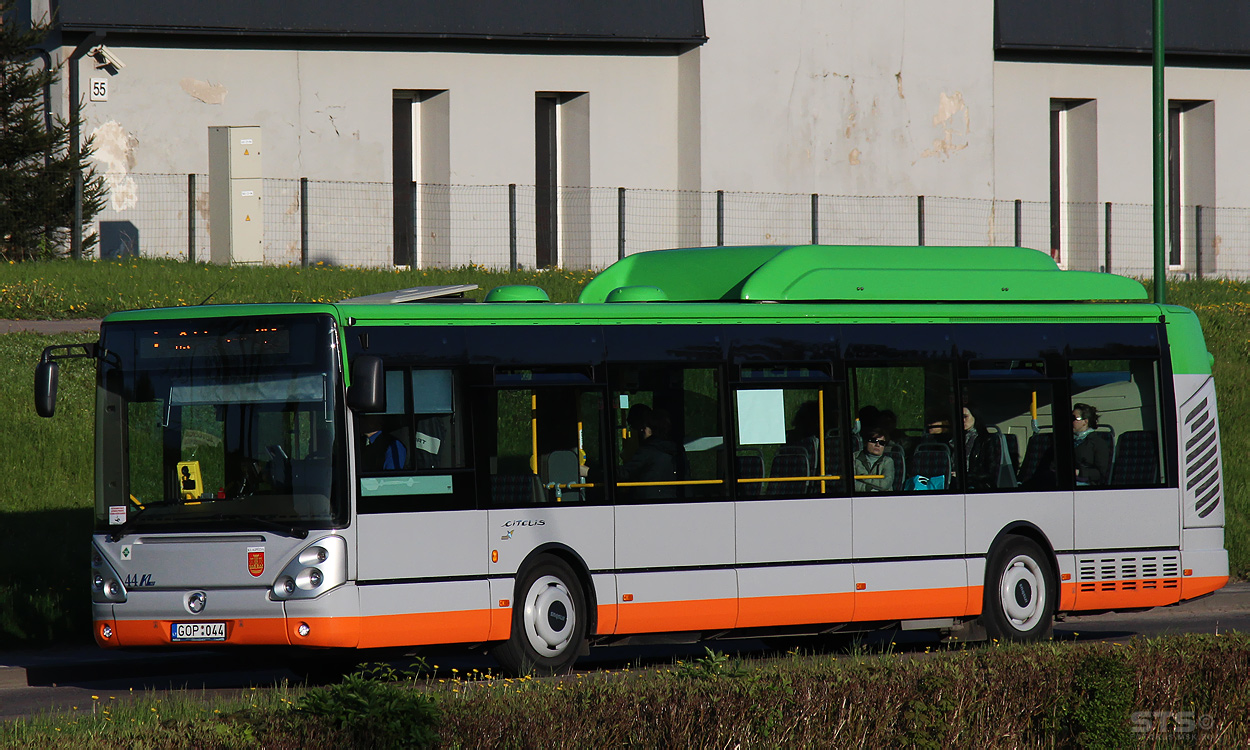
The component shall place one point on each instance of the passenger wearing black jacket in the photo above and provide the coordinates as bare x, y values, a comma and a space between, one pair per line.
981, 455
657, 458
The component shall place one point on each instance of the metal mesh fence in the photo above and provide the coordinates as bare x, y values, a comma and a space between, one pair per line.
352, 223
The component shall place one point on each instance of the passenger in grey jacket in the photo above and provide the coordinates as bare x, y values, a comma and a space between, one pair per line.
874, 471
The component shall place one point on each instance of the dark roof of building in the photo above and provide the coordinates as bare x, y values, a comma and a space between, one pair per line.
635, 21
1193, 28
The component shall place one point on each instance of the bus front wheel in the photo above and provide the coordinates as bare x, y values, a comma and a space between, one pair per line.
548, 621
1019, 592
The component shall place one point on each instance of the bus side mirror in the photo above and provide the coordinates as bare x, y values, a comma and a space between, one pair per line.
47, 373
368, 389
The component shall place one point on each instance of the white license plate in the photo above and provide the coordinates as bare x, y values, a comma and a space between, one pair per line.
198, 631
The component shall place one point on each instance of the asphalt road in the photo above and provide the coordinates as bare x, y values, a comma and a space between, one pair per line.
80, 679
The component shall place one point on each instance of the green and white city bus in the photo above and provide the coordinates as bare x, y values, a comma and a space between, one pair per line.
712, 442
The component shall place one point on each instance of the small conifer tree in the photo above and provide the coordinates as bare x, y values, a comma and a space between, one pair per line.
37, 166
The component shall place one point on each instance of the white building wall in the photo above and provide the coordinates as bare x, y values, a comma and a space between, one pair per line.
326, 115
886, 98
1022, 94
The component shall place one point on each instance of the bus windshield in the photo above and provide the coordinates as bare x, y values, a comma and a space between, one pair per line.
224, 423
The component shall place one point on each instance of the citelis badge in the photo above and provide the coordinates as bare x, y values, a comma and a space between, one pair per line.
256, 560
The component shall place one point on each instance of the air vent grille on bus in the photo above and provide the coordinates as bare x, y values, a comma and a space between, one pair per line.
1202, 458
1128, 573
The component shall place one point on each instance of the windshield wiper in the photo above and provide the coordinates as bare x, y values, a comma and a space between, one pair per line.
280, 528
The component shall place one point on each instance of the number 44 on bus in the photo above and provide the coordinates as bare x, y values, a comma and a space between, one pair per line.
712, 442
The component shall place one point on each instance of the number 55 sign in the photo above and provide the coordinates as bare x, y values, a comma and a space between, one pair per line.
99, 89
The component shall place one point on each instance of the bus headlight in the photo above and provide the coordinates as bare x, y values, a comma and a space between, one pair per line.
106, 585
316, 569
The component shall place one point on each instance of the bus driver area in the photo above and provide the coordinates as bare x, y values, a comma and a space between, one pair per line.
712, 441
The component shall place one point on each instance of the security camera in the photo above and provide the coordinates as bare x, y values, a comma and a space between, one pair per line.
106, 58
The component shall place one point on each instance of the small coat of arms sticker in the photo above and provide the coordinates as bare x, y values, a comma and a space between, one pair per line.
256, 560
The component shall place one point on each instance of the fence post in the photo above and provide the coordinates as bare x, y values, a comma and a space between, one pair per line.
620, 223
1198, 241
1106, 238
414, 227
191, 218
720, 217
303, 221
920, 220
512, 226
1019, 223
815, 219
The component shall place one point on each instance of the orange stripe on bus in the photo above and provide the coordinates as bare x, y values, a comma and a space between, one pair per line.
763, 611
915, 604
661, 617
468, 626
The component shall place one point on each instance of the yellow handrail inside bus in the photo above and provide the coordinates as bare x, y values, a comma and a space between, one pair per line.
670, 484
820, 437
822, 479
534, 433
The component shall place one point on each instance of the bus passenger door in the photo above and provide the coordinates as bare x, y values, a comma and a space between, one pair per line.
421, 572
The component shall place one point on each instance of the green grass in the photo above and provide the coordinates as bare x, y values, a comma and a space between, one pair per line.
57, 290
1049, 695
46, 465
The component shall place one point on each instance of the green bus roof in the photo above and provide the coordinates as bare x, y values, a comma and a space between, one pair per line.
845, 273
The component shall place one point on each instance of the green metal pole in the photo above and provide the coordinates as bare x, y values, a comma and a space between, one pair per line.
1160, 156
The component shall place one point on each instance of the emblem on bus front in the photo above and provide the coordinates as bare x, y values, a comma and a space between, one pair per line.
256, 560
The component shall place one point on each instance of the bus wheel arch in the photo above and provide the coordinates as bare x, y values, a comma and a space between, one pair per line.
551, 615
1021, 592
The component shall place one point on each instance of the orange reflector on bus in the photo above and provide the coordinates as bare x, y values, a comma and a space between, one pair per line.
627, 597
1188, 571
1066, 577
861, 586
503, 602
494, 555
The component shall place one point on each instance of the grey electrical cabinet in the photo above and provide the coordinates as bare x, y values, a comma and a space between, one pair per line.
236, 209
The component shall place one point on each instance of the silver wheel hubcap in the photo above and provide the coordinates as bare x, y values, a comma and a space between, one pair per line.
1022, 592
550, 616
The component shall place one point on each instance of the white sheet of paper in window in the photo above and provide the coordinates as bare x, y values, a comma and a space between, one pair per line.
761, 417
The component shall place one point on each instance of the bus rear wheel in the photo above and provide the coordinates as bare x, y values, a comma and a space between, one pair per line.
1019, 592
548, 621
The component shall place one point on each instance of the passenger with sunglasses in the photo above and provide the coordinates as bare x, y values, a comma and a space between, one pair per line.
874, 471
1092, 457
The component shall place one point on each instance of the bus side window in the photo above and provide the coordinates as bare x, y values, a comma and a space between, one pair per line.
669, 441
913, 408
788, 441
547, 446
1006, 422
1116, 429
